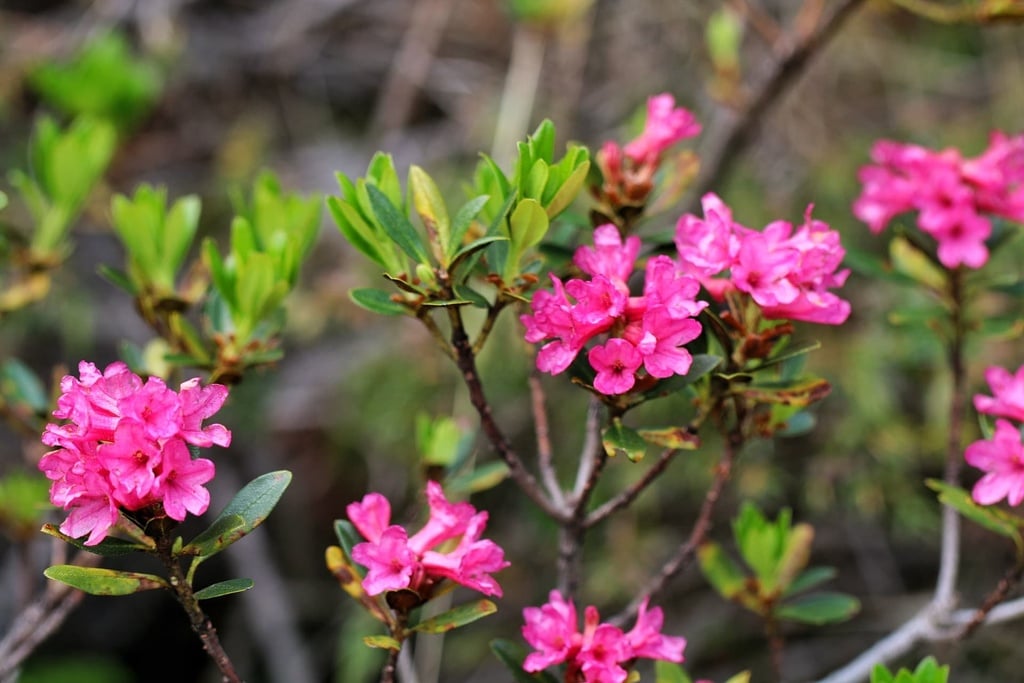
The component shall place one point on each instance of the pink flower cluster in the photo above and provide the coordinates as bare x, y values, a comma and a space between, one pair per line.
125, 446
954, 196
396, 561
1002, 457
598, 653
788, 274
646, 332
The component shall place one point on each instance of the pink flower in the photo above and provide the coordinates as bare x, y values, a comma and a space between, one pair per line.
954, 196
666, 125
600, 653
636, 332
1008, 390
788, 274
395, 561
1002, 459
123, 446
616, 363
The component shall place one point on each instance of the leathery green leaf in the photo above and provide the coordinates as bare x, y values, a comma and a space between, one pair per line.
252, 504
100, 581
222, 588
397, 226
376, 301
108, 547
456, 617
618, 438
819, 608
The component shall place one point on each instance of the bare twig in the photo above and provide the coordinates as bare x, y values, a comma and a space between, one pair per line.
544, 455
732, 136
626, 497
1002, 590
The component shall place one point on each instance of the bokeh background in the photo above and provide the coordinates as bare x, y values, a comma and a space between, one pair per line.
310, 87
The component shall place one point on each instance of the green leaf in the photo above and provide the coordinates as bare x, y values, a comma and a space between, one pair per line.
432, 211
472, 248
991, 518
481, 479
397, 226
677, 438
359, 233
376, 301
801, 392
741, 677
462, 221
811, 578
796, 351
382, 642
222, 588
456, 617
512, 656
908, 259
108, 547
99, 581
721, 571
252, 504
819, 608
118, 278
528, 225
667, 672
620, 439
347, 535
20, 386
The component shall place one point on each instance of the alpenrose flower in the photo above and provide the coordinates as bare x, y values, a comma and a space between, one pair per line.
788, 274
1002, 460
124, 446
646, 333
447, 547
601, 652
1008, 394
953, 195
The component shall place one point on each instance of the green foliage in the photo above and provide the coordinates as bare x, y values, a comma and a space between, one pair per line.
104, 79
927, 671
156, 239
270, 238
21, 390
456, 617
99, 581
222, 588
990, 517
23, 501
777, 553
66, 165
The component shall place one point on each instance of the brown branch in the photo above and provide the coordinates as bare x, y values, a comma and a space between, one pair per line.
998, 595
465, 359
627, 496
733, 136
545, 462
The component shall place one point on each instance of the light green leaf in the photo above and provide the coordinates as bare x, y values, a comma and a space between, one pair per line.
721, 571
991, 518
432, 211
668, 672
382, 642
480, 479
456, 617
671, 437
99, 581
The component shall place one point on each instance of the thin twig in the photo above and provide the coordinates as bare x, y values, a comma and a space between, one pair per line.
466, 362
545, 463
732, 136
626, 497
1002, 590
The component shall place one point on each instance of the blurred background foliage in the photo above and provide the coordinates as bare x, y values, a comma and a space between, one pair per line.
205, 94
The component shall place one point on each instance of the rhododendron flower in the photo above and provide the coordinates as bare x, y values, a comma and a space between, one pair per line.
396, 561
647, 332
1008, 390
665, 126
954, 196
124, 446
788, 274
1002, 459
601, 652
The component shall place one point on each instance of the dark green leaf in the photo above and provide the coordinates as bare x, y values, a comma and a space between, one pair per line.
819, 608
99, 581
21, 386
108, 547
461, 222
376, 301
222, 588
397, 226
811, 578
253, 503
620, 439
118, 278
347, 535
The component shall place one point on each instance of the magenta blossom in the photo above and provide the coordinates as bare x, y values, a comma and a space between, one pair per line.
789, 275
447, 547
601, 652
1002, 460
1008, 390
123, 445
954, 197
646, 334
666, 125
